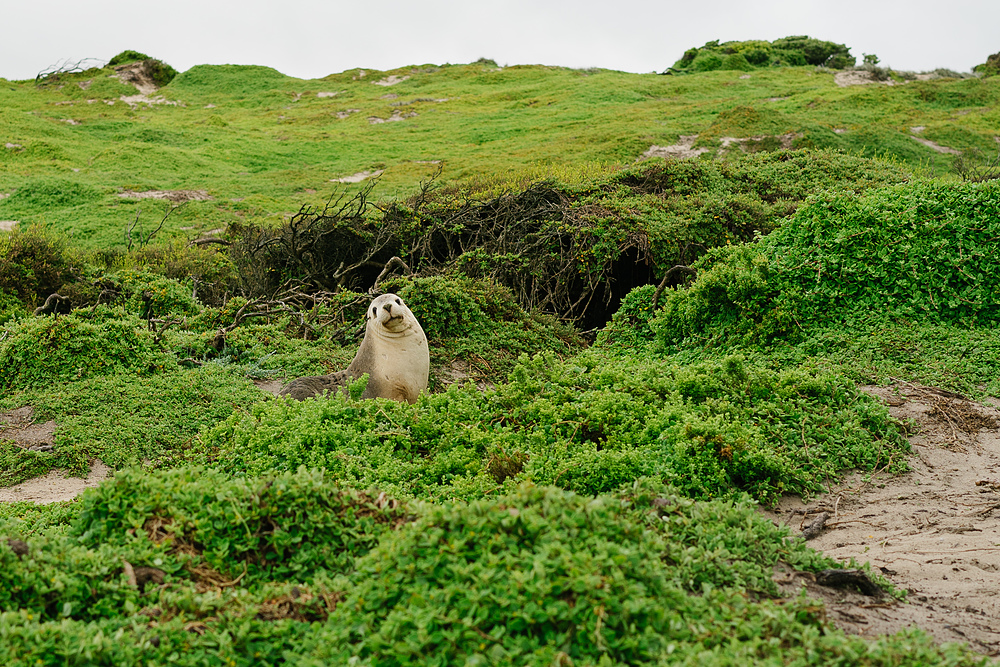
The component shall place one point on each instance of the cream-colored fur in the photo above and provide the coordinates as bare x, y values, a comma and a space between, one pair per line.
394, 354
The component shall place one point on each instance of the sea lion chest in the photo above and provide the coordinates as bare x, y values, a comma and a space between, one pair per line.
397, 363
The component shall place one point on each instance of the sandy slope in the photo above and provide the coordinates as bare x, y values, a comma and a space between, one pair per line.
934, 531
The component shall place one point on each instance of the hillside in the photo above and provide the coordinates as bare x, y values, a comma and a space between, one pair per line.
671, 319
251, 143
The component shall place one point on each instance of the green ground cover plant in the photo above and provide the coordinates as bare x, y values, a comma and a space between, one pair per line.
919, 252
588, 424
529, 576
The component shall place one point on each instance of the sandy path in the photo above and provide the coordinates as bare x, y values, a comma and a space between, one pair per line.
55, 486
934, 531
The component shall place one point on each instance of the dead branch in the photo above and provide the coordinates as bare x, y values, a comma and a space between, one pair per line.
673, 271
394, 262
815, 527
141, 241
839, 578
50, 305
200, 242
67, 66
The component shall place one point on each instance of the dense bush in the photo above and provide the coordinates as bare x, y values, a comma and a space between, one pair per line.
566, 250
784, 52
42, 350
35, 265
285, 526
917, 252
538, 575
127, 56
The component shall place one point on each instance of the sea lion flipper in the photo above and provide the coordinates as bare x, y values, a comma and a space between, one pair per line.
314, 385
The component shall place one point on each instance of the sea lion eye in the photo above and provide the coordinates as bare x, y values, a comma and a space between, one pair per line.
399, 302
374, 311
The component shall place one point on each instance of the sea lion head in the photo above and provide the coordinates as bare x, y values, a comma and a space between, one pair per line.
389, 313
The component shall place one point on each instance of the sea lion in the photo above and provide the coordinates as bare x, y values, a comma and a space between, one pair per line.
393, 353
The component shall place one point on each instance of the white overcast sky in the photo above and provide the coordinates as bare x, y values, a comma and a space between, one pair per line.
313, 38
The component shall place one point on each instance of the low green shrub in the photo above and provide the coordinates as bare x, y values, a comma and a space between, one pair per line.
588, 424
127, 56
35, 265
916, 252
284, 526
746, 55
539, 575
126, 418
40, 351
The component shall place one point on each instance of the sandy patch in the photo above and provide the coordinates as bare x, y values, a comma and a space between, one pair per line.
135, 100
389, 96
270, 386
19, 426
775, 99
847, 78
395, 117
8, 225
177, 196
138, 75
741, 142
328, 94
839, 130
917, 129
346, 112
55, 486
358, 177
934, 531
390, 80
684, 148
12, 146
937, 147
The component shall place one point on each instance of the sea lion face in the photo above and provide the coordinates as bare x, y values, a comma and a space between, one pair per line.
390, 313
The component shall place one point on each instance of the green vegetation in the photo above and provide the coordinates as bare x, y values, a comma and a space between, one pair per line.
262, 144
903, 253
580, 483
991, 67
749, 55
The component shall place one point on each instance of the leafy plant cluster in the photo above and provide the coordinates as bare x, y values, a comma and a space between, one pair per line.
749, 55
915, 252
989, 68
537, 575
43, 350
588, 424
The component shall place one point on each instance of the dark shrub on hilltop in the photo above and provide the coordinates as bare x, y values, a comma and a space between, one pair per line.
989, 68
784, 52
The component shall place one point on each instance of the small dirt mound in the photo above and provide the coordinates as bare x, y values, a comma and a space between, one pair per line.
932, 531
139, 75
